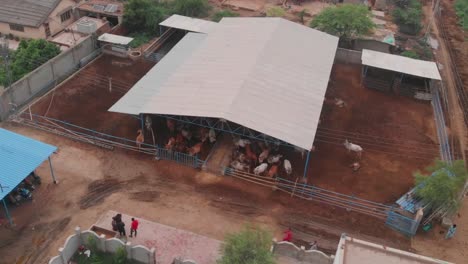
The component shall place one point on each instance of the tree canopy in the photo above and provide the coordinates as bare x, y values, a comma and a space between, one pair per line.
408, 16
143, 15
461, 8
347, 21
191, 8
443, 185
249, 246
29, 55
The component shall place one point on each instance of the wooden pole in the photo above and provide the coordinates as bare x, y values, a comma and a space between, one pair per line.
292, 193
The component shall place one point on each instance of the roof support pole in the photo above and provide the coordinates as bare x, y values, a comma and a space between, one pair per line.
306, 167
52, 171
142, 121
7, 212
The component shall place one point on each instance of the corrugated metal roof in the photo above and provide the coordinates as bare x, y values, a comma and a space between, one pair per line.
26, 12
115, 39
267, 74
19, 156
189, 24
420, 68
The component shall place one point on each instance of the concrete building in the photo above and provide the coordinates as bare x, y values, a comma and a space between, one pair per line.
354, 251
111, 10
35, 19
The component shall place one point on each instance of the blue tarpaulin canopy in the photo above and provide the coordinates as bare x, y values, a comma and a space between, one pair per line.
19, 156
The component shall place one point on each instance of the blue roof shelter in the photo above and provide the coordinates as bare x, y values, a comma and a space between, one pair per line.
19, 156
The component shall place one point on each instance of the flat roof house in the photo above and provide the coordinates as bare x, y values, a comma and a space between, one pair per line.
35, 18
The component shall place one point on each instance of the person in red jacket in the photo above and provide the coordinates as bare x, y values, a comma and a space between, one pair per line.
287, 235
134, 227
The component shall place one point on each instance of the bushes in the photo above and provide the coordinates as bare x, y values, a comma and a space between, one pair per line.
223, 13
410, 54
250, 246
139, 38
191, 8
275, 11
461, 8
409, 18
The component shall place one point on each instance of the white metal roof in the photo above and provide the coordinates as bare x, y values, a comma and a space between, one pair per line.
354, 251
426, 69
267, 74
115, 39
189, 24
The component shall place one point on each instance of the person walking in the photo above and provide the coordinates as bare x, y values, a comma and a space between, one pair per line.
134, 227
451, 232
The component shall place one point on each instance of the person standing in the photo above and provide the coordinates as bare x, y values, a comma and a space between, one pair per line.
287, 235
451, 232
121, 228
134, 227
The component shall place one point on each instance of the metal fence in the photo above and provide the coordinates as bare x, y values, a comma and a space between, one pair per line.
103, 140
391, 215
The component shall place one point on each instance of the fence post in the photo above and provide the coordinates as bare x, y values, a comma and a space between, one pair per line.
128, 248
152, 256
102, 243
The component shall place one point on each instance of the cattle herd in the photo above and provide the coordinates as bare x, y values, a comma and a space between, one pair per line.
259, 158
186, 139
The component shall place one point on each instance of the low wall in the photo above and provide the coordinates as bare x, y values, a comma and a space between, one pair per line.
45, 77
138, 253
288, 249
348, 56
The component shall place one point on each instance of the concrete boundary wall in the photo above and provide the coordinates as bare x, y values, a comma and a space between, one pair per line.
348, 56
138, 253
45, 77
288, 249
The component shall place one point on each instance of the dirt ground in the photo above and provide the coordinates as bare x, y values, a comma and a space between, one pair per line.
398, 123
84, 99
93, 180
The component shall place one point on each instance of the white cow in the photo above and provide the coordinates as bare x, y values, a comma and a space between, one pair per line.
287, 166
241, 142
274, 159
240, 166
260, 168
353, 147
263, 156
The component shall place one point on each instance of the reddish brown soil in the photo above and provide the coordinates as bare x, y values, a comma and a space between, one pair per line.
457, 39
386, 171
84, 99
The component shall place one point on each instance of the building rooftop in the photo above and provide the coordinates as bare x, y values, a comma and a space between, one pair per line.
26, 12
396, 63
267, 74
108, 7
189, 24
355, 251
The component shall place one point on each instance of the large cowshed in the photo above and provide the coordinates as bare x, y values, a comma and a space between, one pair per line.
267, 74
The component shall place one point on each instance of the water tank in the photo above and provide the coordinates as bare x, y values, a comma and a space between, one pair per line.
86, 26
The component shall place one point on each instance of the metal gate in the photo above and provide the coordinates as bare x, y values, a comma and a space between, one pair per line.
402, 223
182, 158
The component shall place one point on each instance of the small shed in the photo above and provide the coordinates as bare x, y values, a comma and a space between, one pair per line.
400, 75
115, 44
19, 157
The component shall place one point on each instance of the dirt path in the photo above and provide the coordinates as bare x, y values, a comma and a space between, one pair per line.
93, 180
442, 55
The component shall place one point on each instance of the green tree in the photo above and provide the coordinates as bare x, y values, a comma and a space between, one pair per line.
275, 11
191, 8
442, 187
29, 55
249, 246
461, 8
223, 13
143, 16
348, 21
409, 18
